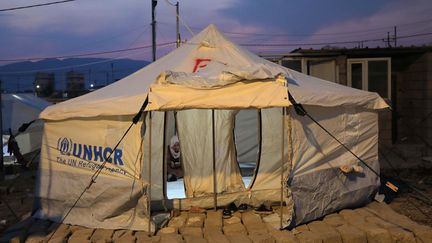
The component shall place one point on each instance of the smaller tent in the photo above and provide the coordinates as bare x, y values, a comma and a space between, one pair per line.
18, 109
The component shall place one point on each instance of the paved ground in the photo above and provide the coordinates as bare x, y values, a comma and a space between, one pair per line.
398, 222
376, 222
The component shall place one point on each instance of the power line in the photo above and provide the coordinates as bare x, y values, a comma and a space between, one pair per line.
35, 5
83, 54
75, 66
333, 43
324, 34
169, 43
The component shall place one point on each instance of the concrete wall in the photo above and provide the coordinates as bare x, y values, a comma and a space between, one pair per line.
414, 99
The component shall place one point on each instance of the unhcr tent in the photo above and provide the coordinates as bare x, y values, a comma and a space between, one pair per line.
207, 81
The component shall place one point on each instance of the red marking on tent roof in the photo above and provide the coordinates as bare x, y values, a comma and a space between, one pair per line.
198, 63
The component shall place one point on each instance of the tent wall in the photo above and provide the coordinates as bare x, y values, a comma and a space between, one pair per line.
270, 166
20, 108
157, 156
71, 152
247, 124
319, 187
195, 135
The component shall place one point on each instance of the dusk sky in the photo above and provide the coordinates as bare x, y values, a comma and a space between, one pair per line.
102, 25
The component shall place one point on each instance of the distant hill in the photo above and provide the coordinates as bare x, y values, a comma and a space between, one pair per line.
19, 77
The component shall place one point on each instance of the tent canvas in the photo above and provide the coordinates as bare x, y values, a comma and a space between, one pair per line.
18, 109
207, 80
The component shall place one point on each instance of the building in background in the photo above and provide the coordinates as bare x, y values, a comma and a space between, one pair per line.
403, 76
44, 84
75, 84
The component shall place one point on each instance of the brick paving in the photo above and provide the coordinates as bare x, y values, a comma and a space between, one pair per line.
376, 222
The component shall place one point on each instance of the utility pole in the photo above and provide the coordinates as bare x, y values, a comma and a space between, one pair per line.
178, 40
154, 3
388, 39
395, 36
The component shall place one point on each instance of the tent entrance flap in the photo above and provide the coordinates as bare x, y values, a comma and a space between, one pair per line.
247, 141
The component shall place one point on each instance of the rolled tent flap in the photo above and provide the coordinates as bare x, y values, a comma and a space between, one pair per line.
69, 159
219, 86
240, 95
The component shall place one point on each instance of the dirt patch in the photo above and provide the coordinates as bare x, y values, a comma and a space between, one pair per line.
415, 197
16, 198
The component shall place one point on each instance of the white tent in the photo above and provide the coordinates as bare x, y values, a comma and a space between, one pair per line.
207, 80
18, 109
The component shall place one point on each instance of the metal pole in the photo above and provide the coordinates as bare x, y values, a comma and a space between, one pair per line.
214, 162
388, 39
149, 174
395, 37
178, 39
282, 166
153, 23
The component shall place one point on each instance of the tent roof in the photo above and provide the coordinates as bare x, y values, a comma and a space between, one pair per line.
126, 96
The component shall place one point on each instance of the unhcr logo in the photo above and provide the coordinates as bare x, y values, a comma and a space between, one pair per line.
64, 145
89, 152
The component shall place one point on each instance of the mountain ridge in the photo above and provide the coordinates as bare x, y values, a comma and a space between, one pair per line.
19, 76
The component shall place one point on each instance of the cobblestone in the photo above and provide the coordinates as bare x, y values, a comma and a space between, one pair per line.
376, 222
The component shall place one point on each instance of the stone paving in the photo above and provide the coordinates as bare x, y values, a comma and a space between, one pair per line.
376, 222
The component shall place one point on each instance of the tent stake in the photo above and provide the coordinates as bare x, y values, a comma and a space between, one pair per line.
282, 166
149, 174
214, 162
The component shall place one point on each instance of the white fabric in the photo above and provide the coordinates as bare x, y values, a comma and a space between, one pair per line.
69, 158
227, 77
216, 74
195, 134
18, 109
126, 96
314, 149
247, 135
270, 164
157, 153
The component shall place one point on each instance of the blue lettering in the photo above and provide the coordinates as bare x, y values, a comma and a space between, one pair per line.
98, 153
75, 152
106, 153
117, 157
87, 152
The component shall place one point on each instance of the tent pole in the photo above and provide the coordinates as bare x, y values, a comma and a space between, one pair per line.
214, 162
282, 166
149, 174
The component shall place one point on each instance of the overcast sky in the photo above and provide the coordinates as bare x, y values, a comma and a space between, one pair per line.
101, 25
